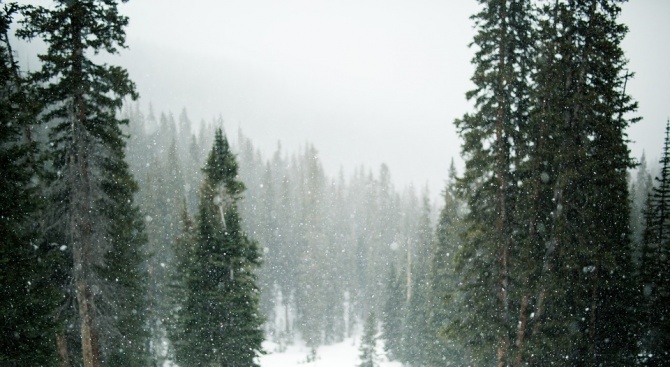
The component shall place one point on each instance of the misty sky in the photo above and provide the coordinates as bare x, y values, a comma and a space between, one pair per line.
366, 81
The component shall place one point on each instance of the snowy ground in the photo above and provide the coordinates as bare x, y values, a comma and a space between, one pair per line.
344, 354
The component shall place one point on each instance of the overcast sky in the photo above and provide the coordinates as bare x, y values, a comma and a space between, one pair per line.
366, 81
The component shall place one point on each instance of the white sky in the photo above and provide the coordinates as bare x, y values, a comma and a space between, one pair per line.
366, 81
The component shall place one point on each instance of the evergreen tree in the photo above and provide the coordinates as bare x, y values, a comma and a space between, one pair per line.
219, 321
161, 191
639, 192
416, 330
311, 296
492, 137
92, 212
546, 155
179, 278
581, 305
368, 349
392, 320
444, 349
655, 269
161, 201
28, 298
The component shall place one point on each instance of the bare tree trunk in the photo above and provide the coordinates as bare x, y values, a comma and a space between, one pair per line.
81, 205
61, 345
81, 232
89, 339
521, 331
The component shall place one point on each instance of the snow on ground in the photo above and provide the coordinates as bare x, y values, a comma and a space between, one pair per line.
344, 354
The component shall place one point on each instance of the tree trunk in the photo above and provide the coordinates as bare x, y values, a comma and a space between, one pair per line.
81, 231
81, 208
61, 345
89, 339
521, 331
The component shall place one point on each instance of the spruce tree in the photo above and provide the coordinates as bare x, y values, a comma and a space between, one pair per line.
91, 192
311, 297
639, 191
368, 349
219, 321
546, 156
444, 349
581, 305
392, 316
654, 288
492, 137
28, 297
417, 334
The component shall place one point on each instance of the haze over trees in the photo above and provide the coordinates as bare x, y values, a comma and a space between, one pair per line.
134, 238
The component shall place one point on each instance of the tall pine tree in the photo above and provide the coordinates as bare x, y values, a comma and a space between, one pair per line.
546, 277
92, 212
445, 349
491, 139
219, 321
392, 315
654, 290
368, 349
28, 299
581, 308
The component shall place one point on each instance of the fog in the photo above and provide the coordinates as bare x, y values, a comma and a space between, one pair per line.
367, 82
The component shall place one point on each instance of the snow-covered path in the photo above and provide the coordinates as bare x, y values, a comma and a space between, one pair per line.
344, 354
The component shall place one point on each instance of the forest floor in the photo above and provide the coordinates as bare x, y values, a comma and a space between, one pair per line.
344, 354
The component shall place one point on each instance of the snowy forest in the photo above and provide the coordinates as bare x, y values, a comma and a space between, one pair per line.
135, 237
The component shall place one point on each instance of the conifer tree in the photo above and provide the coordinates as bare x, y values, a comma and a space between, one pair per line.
443, 348
392, 320
492, 136
640, 190
368, 349
178, 293
654, 289
28, 297
546, 155
161, 199
311, 297
92, 212
219, 321
582, 303
417, 334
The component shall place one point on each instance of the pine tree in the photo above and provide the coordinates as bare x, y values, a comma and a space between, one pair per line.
28, 298
219, 321
160, 200
92, 211
179, 278
546, 156
492, 137
582, 303
368, 349
392, 320
311, 297
654, 290
417, 334
445, 349
639, 192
